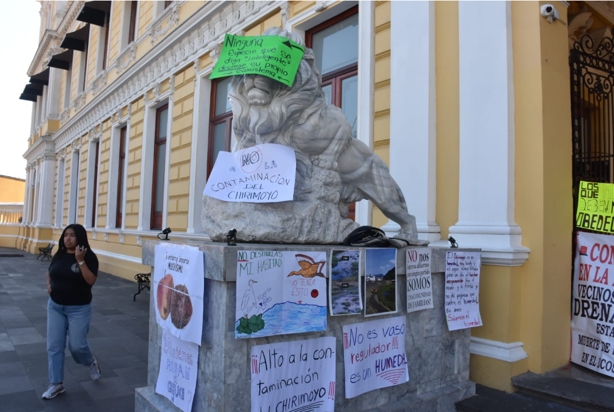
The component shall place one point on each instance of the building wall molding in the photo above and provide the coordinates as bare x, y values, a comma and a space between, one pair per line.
507, 352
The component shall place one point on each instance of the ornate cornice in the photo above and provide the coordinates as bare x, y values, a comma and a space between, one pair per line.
191, 39
170, 16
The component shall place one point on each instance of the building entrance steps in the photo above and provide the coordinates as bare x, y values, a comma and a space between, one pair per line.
571, 388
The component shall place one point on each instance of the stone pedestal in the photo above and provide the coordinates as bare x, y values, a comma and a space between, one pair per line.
438, 360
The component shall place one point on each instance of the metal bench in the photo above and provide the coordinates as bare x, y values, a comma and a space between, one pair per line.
143, 280
45, 252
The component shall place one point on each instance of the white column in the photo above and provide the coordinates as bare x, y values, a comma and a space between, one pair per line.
366, 93
45, 188
487, 135
413, 109
26, 201
54, 93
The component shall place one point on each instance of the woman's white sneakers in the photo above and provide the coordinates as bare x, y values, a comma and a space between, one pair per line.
95, 370
54, 390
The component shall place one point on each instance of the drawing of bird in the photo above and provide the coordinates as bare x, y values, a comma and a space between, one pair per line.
309, 267
249, 301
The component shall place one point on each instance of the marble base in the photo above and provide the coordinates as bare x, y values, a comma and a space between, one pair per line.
438, 359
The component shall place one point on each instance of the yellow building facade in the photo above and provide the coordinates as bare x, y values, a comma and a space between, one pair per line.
468, 102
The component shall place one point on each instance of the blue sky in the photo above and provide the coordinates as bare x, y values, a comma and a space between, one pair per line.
19, 31
380, 261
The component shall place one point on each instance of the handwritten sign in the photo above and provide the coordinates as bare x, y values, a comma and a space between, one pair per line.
178, 371
592, 323
596, 207
280, 293
462, 303
374, 355
179, 285
294, 376
272, 56
259, 174
419, 289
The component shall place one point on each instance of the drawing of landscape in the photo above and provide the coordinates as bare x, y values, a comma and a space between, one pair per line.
380, 282
345, 296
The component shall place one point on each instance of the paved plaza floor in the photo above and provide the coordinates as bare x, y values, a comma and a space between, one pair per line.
118, 336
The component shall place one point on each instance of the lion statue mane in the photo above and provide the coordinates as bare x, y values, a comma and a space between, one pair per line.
333, 168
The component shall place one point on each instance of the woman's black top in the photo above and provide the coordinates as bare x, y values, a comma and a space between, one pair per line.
68, 287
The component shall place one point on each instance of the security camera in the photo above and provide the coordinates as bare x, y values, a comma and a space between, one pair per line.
550, 12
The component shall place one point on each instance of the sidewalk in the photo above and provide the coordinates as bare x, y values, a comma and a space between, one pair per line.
118, 336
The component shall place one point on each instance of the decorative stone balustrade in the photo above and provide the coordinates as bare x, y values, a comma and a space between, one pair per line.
10, 213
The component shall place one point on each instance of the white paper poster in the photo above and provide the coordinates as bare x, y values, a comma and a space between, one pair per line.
259, 174
374, 355
179, 284
419, 288
280, 292
344, 285
381, 282
462, 303
178, 371
592, 323
294, 376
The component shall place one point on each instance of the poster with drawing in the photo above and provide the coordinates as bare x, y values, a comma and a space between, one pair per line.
280, 293
179, 284
344, 284
381, 282
374, 355
178, 371
418, 270
294, 376
592, 321
462, 290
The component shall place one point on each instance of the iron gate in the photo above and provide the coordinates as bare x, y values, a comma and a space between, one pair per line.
592, 105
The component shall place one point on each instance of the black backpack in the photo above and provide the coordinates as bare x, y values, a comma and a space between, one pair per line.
369, 236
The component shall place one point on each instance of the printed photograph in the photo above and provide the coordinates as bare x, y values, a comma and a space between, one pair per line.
344, 283
380, 282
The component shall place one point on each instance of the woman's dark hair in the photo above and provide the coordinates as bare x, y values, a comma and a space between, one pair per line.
81, 235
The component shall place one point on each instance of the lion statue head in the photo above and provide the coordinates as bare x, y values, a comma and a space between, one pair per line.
263, 107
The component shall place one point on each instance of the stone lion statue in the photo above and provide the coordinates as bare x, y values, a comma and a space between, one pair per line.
333, 168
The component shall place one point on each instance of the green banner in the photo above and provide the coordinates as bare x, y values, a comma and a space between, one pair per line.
272, 56
596, 207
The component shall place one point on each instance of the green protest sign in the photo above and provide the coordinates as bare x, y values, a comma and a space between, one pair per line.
272, 56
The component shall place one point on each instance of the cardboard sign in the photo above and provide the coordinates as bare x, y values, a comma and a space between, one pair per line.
596, 207
179, 284
344, 284
294, 376
259, 174
419, 288
592, 323
381, 282
374, 355
280, 293
178, 371
272, 56
462, 302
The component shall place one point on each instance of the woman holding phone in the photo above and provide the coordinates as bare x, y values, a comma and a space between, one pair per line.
71, 275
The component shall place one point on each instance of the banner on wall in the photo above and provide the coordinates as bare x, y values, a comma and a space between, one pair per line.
374, 355
595, 207
462, 290
178, 371
179, 284
294, 376
592, 323
280, 292
263, 173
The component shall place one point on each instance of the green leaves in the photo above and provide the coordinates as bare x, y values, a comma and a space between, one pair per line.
251, 325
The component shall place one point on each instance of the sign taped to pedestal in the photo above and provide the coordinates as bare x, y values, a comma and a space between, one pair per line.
462, 290
419, 281
259, 174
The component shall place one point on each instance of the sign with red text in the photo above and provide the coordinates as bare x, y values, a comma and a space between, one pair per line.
374, 355
259, 174
592, 323
294, 376
419, 288
178, 371
462, 290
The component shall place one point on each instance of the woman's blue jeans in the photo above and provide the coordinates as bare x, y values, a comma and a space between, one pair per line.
74, 320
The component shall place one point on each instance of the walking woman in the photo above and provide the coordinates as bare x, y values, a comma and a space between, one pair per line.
72, 272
